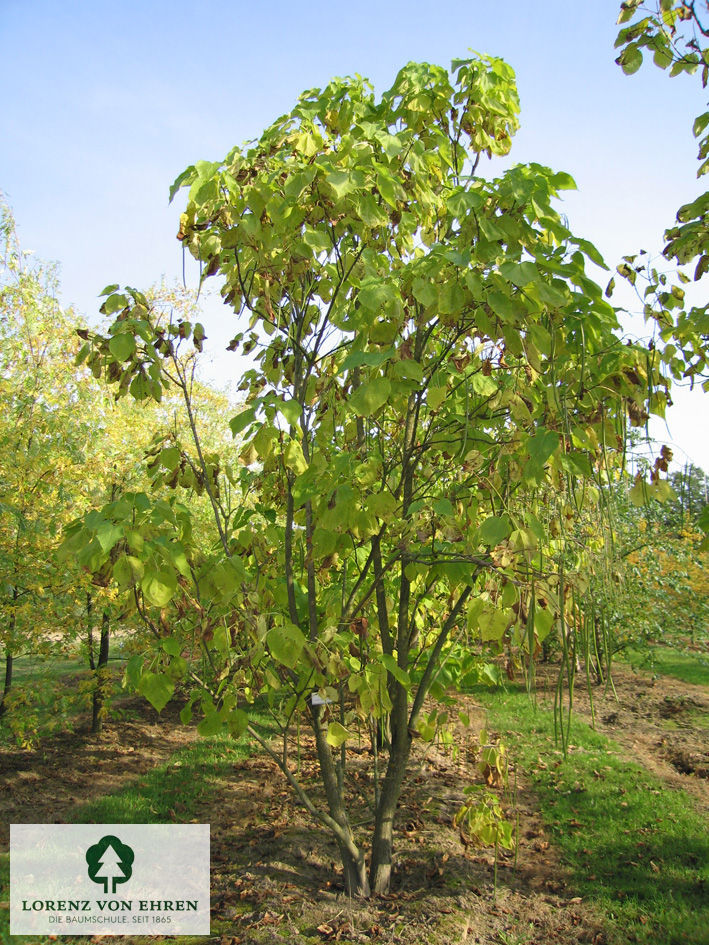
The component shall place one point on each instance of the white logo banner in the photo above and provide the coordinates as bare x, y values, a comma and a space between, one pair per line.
109, 879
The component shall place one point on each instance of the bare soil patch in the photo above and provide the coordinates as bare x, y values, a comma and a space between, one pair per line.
276, 877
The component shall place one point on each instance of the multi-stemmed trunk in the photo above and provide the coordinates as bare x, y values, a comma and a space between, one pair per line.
402, 721
359, 882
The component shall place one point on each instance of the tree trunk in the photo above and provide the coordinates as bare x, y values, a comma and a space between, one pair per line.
353, 863
8, 654
355, 873
99, 694
8, 682
90, 632
382, 843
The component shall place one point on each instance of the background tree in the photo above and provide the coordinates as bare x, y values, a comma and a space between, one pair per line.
675, 33
432, 362
44, 422
138, 534
691, 486
67, 446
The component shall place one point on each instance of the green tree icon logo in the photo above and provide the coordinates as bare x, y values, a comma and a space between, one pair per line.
110, 862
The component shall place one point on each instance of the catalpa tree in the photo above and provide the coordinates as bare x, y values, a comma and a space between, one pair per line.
437, 395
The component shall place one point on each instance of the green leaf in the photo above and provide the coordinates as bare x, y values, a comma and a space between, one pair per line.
630, 59
337, 734
186, 714
127, 571
374, 295
400, 675
563, 181
210, 725
227, 577
369, 397
551, 296
293, 457
638, 495
171, 646
341, 182
662, 491
408, 369
198, 335
291, 410
700, 123
122, 346
462, 202
382, 504
170, 458
494, 530
159, 586
157, 689
365, 358
662, 57
443, 507
286, 644
186, 177
543, 622
493, 623
425, 292
436, 396
318, 240
108, 535
237, 721
369, 211
242, 420
541, 446
114, 303
508, 309
482, 385
592, 252
140, 387
520, 274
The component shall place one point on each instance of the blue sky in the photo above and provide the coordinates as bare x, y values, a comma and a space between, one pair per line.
104, 103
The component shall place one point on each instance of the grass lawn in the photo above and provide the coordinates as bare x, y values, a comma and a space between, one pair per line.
669, 662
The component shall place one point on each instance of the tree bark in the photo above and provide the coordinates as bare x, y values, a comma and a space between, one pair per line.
99, 694
9, 658
382, 843
90, 632
352, 857
8, 682
355, 873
